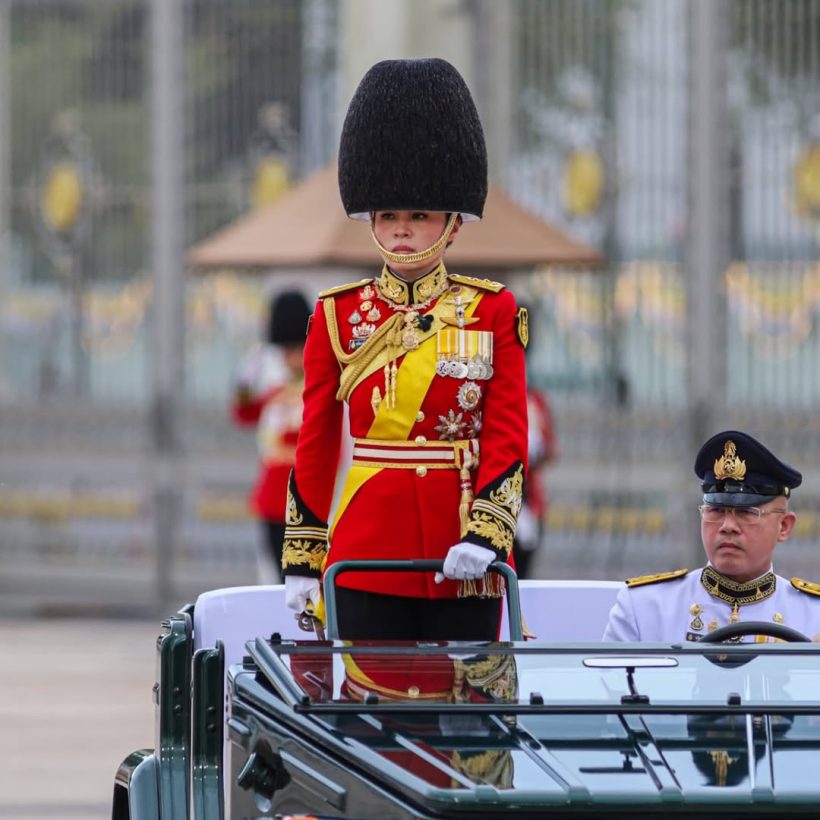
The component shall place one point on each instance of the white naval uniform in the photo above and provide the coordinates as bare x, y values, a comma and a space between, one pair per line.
661, 612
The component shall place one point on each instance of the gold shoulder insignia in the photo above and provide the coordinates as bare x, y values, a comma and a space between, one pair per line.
522, 327
642, 580
474, 282
809, 587
344, 288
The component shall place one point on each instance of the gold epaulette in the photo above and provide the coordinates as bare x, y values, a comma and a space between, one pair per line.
809, 587
474, 282
343, 288
642, 580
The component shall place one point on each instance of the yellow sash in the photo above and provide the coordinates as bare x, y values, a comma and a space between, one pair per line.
413, 380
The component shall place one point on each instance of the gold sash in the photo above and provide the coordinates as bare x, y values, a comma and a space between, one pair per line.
413, 381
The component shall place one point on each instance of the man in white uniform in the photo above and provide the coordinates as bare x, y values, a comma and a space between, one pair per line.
744, 515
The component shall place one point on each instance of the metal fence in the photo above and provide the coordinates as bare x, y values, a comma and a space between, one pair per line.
604, 118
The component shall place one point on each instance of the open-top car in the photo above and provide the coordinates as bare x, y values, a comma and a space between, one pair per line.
256, 718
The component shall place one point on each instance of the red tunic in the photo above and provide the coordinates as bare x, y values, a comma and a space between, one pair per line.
388, 510
542, 450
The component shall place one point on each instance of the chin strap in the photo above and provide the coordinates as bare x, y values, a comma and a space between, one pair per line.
421, 256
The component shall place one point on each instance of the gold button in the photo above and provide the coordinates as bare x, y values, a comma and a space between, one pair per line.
420, 416
421, 472
421, 441
413, 691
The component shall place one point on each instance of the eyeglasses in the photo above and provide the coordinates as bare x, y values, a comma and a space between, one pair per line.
748, 516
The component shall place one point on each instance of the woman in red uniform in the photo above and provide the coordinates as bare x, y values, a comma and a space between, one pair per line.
432, 368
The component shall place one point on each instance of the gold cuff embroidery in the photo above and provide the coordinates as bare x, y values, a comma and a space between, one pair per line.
303, 552
486, 526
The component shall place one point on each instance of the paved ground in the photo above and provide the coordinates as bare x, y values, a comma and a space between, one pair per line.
75, 699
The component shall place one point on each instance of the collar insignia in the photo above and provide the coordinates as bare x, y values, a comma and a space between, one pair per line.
418, 294
734, 593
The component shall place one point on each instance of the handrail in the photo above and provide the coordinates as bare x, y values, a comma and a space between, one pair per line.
416, 565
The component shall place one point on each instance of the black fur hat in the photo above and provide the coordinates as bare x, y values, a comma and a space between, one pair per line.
412, 140
288, 321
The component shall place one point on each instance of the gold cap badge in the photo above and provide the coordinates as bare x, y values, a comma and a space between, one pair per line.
729, 465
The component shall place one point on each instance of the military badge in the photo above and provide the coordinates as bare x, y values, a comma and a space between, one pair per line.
468, 396
522, 327
451, 427
696, 623
729, 465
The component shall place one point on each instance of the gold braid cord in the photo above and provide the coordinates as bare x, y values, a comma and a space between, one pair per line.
305, 541
387, 337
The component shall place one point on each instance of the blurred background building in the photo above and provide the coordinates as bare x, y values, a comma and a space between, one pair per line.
680, 139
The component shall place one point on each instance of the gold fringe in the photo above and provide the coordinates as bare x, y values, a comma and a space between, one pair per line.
491, 585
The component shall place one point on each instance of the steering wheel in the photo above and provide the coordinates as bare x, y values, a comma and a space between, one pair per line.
772, 630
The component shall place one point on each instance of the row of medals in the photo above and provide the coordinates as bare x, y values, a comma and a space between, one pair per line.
364, 319
475, 369
697, 622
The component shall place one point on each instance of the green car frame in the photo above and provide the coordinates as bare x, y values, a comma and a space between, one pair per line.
257, 723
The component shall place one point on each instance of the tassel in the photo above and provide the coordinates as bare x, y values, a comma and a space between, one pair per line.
387, 385
466, 485
393, 374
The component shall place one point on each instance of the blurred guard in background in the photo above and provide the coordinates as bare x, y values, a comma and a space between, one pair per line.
276, 411
432, 368
542, 448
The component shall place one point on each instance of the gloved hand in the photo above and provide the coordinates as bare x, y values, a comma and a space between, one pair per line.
300, 589
465, 561
251, 371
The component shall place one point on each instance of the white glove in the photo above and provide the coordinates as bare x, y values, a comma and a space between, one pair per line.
465, 561
251, 371
300, 589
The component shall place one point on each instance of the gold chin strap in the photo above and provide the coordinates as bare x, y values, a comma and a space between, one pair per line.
421, 256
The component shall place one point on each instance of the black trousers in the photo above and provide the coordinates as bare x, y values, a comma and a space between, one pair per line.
372, 616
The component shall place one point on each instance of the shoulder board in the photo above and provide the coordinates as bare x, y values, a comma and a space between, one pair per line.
474, 282
642, 580
344, 288
809, 587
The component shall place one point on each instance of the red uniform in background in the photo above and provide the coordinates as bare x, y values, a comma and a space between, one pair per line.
542, 449
276, 412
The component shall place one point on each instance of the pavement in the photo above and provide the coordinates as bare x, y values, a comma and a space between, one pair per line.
75, 699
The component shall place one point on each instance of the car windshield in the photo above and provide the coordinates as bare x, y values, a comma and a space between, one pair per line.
621, 719
592, 678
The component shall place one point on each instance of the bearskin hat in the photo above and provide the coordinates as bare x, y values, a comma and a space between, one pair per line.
412, 140
289, 314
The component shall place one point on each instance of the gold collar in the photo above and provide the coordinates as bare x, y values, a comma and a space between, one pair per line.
399, 293
734, 593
